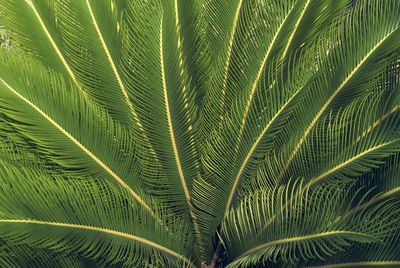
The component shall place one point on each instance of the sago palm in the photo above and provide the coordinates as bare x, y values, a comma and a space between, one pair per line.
220, 133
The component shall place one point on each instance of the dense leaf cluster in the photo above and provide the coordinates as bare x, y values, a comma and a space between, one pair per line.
220, 133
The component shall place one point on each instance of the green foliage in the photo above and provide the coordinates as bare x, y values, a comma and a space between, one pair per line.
174, 133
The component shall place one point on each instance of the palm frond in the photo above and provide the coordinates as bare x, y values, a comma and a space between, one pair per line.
165, 99
284, 96
352, 70
383, 254
348, 144
290, 237
91, 156
94, 212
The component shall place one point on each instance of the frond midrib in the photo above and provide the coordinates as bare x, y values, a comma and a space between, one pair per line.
169, 119
377, 122
194, 151
298, 238
103, 230
337, 167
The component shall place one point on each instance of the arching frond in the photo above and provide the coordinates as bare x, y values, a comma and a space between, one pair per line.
93, 212
348, 144
293, 236
383, 254
345, 69
90, 156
